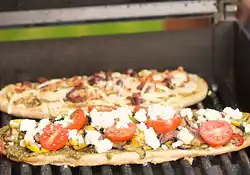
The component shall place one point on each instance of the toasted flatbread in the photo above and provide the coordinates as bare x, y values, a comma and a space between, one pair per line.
54, 98
147, 144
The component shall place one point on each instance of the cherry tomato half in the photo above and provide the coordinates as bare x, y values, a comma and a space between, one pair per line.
120, 134
162, 126
216, 133
54, 137
237, 140
79, 119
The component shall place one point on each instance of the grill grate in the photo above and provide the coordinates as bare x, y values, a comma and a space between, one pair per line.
231, 164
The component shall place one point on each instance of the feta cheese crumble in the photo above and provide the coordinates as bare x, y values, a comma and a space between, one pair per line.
177, 144
246, 126
102, 119
210, 114
151, 138
92, 137
232, 113
27, 124
141, 126
65, 122
141, 115
164, 112
103, 146
75, 136
42, 124
185, 136
187, 112
123, 113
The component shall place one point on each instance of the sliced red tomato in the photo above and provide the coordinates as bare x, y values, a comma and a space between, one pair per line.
101, 108
216, 133
120, 134
237, 140
162, 126
54, 137
79, 119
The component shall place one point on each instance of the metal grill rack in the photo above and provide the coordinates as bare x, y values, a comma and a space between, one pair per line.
231, 164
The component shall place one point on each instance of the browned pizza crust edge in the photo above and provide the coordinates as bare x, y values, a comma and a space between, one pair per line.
121, 157
37, 112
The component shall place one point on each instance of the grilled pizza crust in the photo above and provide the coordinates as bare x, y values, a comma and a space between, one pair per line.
42, 111
122, 157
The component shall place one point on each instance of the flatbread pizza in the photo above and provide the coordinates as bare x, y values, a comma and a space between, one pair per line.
123, 135
51, 98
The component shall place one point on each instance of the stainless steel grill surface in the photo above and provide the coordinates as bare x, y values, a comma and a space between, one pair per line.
235, 163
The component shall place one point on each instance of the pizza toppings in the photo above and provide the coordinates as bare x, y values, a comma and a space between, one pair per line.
151, 138
237, 140
154, 128
78, 119
54, 137
216, 133
162, 126
121, 134
114, 88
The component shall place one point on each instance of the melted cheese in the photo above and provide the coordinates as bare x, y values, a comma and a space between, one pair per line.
48, 83
59, 95
17, 97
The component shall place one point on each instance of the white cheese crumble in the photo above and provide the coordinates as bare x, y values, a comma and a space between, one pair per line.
141, 126
27, 125
42, 124
65, 122
29, 136
151, 138
141, 115
92, 137
232, 113
123, 113
185, 136
187, 112
103, 145
177, 144
247, 127
101, 119
75, 136
164, 112
11, 143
